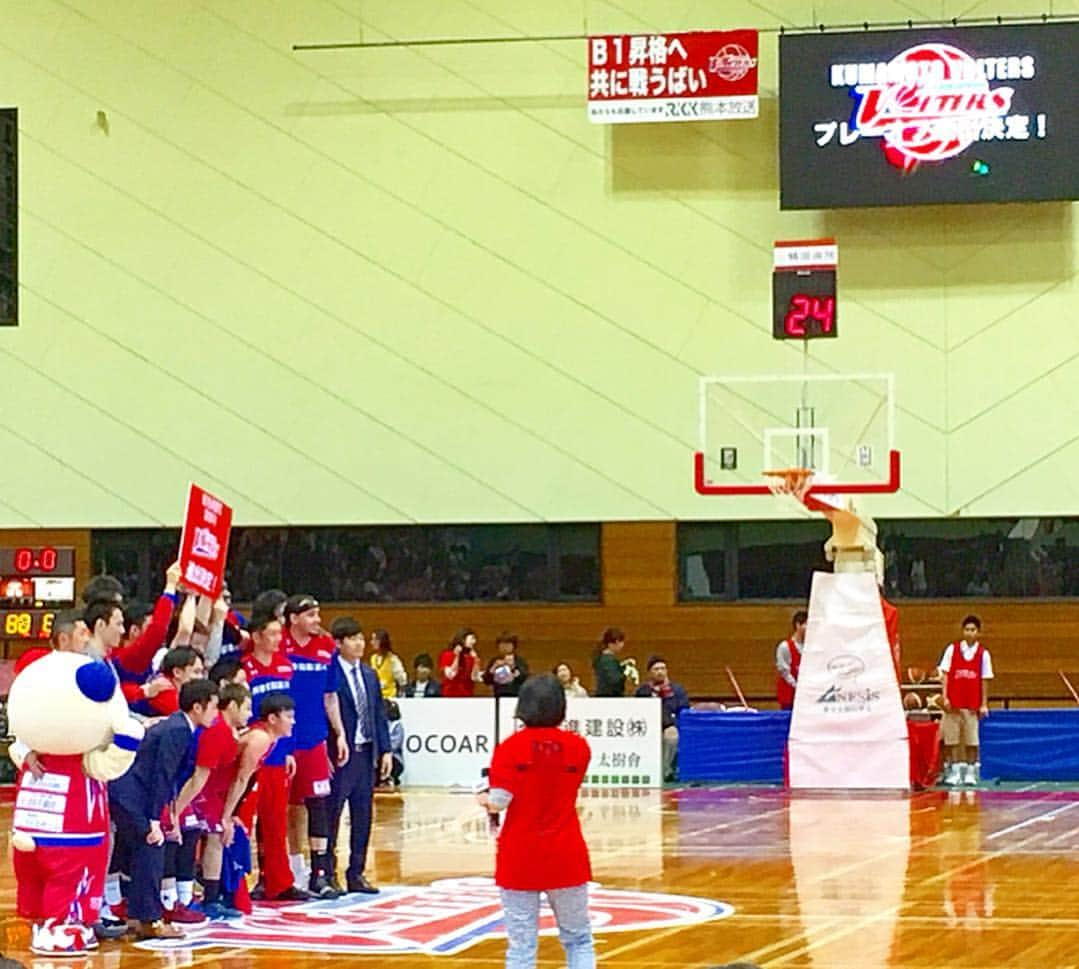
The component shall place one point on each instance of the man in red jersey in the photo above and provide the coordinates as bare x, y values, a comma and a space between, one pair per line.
216, 759
145, 633
243, 800
269, 672
310, 651
965, 667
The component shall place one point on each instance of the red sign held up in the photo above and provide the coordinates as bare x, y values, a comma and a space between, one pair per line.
204, 543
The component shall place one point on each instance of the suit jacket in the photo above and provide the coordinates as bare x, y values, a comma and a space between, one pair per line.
433, 690
150, 784
376, 727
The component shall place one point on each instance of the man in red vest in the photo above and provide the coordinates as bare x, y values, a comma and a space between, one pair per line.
788, 659
964, 668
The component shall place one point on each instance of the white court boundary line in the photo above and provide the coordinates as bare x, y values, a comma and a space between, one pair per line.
1050, 815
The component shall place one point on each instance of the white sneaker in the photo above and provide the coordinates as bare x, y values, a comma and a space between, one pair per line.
60, 939
89, 939
970, 778
951, 775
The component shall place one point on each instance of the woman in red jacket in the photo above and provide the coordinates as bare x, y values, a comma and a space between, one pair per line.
534, 776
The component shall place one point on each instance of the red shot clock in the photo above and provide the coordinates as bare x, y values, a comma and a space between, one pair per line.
804, 301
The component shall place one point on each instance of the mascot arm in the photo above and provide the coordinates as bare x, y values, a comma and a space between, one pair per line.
114, 760
18, 752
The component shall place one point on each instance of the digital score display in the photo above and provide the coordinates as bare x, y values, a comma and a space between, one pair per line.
33, 561
26, 623
34, 582
804, 304
929, 116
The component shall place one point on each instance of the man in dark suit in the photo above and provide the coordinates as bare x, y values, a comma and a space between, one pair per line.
138, 799
367, 736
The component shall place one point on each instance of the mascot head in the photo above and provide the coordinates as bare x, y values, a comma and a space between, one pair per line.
66, 703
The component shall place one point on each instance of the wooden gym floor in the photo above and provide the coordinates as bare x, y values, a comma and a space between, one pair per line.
972, 879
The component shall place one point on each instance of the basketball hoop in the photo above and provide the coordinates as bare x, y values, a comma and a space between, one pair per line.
792, 482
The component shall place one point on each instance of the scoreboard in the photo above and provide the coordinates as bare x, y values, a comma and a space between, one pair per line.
35, 583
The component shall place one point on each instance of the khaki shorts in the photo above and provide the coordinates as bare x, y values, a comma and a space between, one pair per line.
959, 728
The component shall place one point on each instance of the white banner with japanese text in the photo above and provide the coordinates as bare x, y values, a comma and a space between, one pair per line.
448, 742
704, 75
625, 736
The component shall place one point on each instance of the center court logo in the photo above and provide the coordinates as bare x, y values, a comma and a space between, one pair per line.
440, 919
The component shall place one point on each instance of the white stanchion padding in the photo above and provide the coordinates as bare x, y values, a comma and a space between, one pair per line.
848, 730
448, 742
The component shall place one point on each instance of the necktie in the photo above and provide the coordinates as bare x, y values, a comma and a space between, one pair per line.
361, 704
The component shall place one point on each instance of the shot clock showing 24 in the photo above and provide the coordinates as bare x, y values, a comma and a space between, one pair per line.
804, 302
34, 583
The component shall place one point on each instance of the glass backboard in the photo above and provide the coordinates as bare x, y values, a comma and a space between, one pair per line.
841, 426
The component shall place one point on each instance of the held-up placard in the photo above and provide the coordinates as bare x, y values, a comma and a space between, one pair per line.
204, 543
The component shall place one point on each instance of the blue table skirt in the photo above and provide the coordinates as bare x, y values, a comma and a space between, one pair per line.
717, 746
1031, 745
1017, 745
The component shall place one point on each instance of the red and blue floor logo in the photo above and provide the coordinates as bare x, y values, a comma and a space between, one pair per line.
440, 919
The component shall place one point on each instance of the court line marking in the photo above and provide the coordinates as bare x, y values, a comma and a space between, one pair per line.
1070, 833
1051, 815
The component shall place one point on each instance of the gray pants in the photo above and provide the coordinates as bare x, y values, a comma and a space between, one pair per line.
570, 907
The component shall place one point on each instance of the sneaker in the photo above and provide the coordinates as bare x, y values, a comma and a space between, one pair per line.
321, 887
89, 939
61, 939
970, 778
951, 775
219, 912
292, 894
184, 915
109, 929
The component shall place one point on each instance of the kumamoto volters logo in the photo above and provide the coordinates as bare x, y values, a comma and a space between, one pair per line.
440, 919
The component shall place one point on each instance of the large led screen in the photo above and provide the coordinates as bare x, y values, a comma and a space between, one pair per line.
915, 117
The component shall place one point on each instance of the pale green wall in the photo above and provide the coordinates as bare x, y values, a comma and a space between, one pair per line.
417, 285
